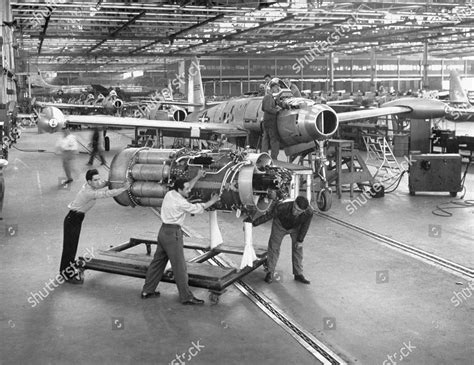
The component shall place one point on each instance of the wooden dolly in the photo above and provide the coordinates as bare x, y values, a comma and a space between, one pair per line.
201, 274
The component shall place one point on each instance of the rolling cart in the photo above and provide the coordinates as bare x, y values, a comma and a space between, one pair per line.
201, 274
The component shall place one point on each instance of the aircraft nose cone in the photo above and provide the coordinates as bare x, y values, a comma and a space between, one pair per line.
50, 120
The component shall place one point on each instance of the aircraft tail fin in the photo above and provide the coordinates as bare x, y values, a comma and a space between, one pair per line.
456, 92
195, 88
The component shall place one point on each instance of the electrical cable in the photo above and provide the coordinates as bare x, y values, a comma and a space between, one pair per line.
399, 179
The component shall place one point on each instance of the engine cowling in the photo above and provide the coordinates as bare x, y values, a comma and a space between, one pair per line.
179, 114
245, 181
306, 124
50, 120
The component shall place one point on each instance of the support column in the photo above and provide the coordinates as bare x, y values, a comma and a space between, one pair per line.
373, 71
7, 85
331, 72
424, 82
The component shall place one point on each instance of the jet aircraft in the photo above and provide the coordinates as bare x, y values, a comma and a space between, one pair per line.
303, 126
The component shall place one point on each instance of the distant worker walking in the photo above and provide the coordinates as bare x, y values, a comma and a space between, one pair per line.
68, 147
96, 148
270, 125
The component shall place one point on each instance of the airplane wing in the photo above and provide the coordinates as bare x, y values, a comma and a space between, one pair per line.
68, 106
169, 128
371, 113
337, 102
183, 103
415, 107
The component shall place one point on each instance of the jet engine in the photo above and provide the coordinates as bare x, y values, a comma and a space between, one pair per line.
245, 181
118, 103
179, 114
50, 120
306, 124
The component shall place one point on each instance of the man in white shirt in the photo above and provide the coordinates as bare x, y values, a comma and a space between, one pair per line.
68, 147
170, 240
93, 189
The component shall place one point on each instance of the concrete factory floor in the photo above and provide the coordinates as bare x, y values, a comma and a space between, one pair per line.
369, 303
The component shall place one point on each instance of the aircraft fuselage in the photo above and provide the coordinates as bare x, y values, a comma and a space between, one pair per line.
301, 121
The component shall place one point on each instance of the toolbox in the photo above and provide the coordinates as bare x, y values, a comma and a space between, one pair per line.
435, 172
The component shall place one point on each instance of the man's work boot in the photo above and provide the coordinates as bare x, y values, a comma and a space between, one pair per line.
302, 279
269, 277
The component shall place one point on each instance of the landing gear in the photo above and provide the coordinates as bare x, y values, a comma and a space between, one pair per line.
107, 143
106, 140
324, 200
324, 196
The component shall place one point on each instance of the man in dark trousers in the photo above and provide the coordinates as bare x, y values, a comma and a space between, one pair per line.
93, 189
289, 217
170, 240
96, 148
270, 126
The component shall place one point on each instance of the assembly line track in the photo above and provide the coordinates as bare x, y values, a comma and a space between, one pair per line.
452, 267
318, 349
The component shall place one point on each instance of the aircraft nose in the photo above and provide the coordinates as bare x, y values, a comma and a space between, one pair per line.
53, 123
50, 120
326, 120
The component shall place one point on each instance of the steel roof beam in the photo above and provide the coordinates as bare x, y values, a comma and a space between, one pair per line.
173, 36
118, 30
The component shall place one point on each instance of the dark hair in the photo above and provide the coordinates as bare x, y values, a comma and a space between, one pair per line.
301, 202
179, 184
267, 75
91, 173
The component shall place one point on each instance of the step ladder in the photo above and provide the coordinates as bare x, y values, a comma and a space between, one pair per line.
380, 155
348, 166
345, 166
